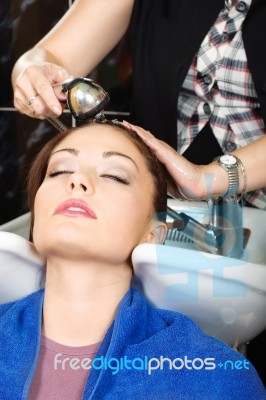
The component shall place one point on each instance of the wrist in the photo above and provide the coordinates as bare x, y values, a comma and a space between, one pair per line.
225, 177
214, 180
230, 164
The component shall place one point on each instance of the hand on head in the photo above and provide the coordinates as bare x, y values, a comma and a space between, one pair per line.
189, 177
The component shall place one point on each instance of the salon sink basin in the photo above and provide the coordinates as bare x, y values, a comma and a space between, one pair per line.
225, 296
19, 226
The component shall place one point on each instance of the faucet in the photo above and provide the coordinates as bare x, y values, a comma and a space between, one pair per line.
222, 235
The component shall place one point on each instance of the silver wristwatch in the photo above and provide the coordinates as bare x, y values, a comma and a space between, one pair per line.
230, 164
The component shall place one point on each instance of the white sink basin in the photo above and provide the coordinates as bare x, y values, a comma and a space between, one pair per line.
225, 296
19, 226
21, 268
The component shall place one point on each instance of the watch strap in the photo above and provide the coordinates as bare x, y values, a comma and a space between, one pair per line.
233, 177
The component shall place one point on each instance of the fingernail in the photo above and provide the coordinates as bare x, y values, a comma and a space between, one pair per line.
56, 110
63, 72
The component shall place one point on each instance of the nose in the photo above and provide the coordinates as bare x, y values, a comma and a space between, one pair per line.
81, 185
78, 182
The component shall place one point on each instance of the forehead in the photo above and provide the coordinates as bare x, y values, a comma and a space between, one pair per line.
99, 136
93, 141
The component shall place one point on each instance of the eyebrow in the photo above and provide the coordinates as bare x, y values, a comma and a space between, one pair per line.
75, 152
107, 154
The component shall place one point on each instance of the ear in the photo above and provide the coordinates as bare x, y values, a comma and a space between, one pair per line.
156, 233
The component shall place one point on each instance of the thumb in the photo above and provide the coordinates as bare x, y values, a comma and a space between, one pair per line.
57, 74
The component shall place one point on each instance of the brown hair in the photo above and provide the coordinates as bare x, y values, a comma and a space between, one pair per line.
38, 169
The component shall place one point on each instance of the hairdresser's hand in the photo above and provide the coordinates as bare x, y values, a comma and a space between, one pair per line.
189, 177
34, 94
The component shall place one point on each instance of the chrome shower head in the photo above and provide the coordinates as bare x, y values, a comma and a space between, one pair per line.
86, 99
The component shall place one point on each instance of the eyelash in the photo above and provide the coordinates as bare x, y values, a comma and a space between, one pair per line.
52, 174
117, 178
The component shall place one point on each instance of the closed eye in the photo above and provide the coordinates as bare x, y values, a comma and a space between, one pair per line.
114, 177
117, 178
52, 174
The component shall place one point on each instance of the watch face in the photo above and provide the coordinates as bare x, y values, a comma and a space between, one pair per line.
228, 159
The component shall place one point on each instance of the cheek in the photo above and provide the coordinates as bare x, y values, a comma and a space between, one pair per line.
130, 215
37, 217
41, 206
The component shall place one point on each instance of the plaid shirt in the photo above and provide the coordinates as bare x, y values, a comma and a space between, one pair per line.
219, 89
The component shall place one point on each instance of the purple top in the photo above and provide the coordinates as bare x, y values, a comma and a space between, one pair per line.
61, 371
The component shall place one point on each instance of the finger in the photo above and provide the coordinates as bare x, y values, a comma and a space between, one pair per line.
32, 106
23, 91
165, 153
39, 80
145, 135
48, 104
56, 76
184, 173
26, 91
41, 110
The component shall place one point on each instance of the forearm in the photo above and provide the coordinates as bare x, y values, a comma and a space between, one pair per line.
82, 38
78, 42
253, 157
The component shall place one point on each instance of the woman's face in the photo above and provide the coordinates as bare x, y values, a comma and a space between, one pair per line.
96, 199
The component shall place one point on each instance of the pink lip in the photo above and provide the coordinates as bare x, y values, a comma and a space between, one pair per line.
75, 208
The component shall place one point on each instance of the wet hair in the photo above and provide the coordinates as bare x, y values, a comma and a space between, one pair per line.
39, 166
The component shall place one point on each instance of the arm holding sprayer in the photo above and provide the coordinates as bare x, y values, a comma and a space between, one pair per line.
79, 41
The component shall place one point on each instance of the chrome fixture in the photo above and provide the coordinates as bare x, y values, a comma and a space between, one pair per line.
222, 235
85, 98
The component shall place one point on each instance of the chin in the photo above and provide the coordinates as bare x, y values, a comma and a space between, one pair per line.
55, 236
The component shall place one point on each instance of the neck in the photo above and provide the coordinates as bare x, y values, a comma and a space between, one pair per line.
81, 300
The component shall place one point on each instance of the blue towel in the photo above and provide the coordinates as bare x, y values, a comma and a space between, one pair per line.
147, 353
